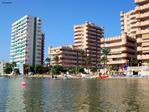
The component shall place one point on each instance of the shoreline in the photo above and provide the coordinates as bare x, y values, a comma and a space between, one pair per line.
61, 77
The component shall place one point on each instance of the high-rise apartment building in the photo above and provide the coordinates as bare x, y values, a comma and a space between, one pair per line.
27, 41
142, 25
136, 23
87, 37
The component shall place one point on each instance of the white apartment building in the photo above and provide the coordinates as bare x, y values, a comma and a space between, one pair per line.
27, 41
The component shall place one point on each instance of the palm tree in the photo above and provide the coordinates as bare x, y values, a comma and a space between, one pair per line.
56, 59
104, 53
133, 61
88, 62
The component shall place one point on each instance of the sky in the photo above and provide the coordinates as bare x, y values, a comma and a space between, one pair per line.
59, 17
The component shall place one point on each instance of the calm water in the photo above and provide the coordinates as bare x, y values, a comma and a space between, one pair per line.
43, 95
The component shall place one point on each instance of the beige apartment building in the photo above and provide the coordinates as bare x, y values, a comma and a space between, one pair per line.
122, 49
142, 34
87, 37
68, 56
128, 23
136, 24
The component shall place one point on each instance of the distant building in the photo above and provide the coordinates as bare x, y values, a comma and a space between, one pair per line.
67, 56
2, 66
27, 41
86, 43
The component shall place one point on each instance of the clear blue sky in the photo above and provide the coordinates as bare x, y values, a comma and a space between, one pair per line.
59, 16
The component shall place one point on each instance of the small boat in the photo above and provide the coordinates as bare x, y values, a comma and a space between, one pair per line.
102, 77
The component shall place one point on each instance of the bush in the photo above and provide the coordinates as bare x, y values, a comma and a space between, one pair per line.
57, 69
39, 69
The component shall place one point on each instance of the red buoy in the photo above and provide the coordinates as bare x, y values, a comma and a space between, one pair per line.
23, 84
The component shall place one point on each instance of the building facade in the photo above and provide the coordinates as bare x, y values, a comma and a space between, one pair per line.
27, 41
136, 24
2, 66
122, 49
128, 23
87, 37
86, 44
142, 25
68, 56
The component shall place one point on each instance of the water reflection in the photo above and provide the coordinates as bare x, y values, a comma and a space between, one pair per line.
43, 95
3, 93
15, 98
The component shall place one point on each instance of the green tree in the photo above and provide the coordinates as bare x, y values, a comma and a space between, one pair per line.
39, 69
57, 69
8, 68
80, 69
104, 53
32, 69
46, 69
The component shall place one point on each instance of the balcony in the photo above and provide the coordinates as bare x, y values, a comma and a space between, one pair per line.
145, 31
145, 23
141, 1
139, 40
118, 50
139, 48
138, 24
77, 29
78, 33
142, 24
144, 15
117, 56
145, 49
144, 7
78, 41
143, 57
133, 21
145, 44
117, 62
112, 44
140, 32
145, 38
